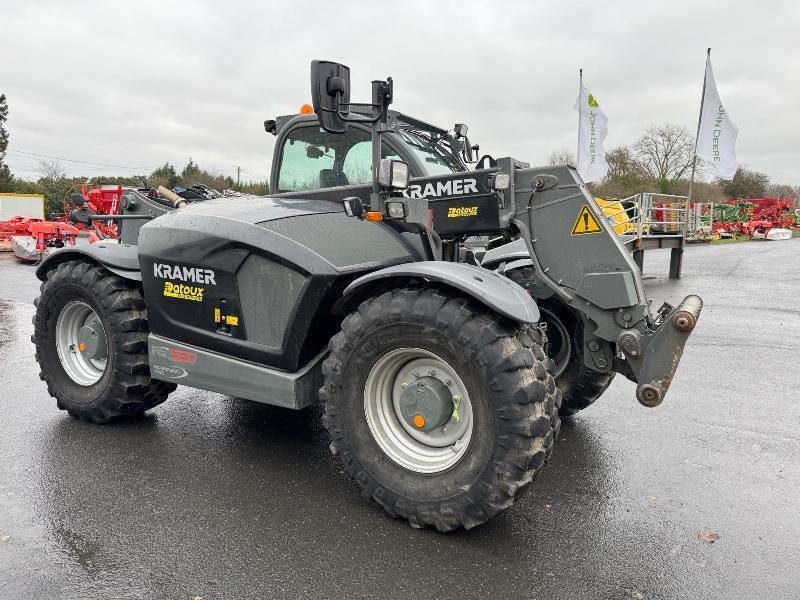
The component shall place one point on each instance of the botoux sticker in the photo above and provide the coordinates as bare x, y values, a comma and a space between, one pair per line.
183, 292
586, 222
462, 211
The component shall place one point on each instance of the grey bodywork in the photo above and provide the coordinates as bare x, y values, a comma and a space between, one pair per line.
219, 373
121, 259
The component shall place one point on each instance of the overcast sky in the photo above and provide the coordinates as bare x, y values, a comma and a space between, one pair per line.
138, 83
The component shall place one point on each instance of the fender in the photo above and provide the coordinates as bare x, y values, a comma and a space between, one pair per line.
495, 291
120, 259
516, 250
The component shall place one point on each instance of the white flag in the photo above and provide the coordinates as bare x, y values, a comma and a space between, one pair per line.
716, 138
592, 131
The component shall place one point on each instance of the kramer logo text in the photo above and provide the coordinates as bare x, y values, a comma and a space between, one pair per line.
187, 274
453, 187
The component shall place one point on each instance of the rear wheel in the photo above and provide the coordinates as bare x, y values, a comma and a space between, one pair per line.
580, 386
90, 332
441, 410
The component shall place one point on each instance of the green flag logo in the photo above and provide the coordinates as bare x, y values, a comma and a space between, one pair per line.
592, 101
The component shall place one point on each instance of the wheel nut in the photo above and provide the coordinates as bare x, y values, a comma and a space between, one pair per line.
431, 372
405, 385
415, 374
448, 381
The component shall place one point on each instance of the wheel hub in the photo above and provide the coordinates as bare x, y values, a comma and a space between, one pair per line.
418, 410
426, 404
92, 339
81, 343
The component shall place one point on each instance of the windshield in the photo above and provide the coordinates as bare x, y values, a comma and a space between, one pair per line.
432, 147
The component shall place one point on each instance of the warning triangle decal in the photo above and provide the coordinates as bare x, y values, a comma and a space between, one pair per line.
586, 222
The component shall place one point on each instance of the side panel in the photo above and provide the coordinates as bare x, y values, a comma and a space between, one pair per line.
461, 203
195, 367
259, 291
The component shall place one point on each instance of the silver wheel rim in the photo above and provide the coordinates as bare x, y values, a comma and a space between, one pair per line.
418, 451
82, 368
559, 347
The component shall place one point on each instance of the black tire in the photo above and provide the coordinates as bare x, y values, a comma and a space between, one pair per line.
580, 386
125, 388
515, 409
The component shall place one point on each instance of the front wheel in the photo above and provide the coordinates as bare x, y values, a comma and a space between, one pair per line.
441, 410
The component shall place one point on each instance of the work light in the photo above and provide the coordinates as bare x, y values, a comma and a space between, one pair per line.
393, 173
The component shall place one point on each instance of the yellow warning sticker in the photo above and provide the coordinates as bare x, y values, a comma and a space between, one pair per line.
586, 222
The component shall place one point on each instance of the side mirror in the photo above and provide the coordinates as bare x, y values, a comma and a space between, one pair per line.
330, 94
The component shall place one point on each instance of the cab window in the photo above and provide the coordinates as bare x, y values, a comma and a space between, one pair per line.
313, 159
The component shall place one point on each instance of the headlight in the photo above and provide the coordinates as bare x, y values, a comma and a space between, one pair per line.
500, 181
393, 173
396, 210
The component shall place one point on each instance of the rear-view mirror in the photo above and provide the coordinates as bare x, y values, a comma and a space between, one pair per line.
330, 94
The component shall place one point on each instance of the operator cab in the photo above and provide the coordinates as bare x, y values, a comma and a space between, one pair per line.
309, 158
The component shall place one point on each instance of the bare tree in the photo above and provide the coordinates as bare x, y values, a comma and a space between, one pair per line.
50, 169
780, 190
562, 156
665, 153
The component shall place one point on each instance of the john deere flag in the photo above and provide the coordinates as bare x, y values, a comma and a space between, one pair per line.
592, 131
716, 138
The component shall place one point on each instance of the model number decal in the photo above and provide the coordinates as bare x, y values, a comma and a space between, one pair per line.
462, 211
453, 187
182, 356
190, 274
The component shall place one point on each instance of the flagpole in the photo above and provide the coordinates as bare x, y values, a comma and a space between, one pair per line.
696, 138
580, 89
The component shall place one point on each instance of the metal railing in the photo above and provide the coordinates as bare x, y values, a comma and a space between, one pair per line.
652, 214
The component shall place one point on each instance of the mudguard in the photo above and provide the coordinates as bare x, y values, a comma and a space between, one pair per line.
495, 291
121, 259
513, 251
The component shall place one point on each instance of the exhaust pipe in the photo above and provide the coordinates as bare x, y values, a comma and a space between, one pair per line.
176, 200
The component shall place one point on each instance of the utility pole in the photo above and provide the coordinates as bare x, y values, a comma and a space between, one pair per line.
238, 172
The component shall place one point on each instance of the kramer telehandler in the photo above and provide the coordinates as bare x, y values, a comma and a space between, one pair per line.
439, 396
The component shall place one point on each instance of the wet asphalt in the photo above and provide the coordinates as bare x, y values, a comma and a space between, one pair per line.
222, 498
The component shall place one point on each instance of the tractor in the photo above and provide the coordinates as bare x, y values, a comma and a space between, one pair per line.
353, 284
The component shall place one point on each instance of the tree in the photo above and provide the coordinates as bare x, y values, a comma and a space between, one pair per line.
6, 180
665, 154
780, 190
190, 172
54, 185
745, 184
562, 156
625, 176
164, 175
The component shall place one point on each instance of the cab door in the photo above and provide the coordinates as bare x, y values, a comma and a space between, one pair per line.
334, 166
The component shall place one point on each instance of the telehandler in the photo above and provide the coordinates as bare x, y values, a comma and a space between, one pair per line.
438, 392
